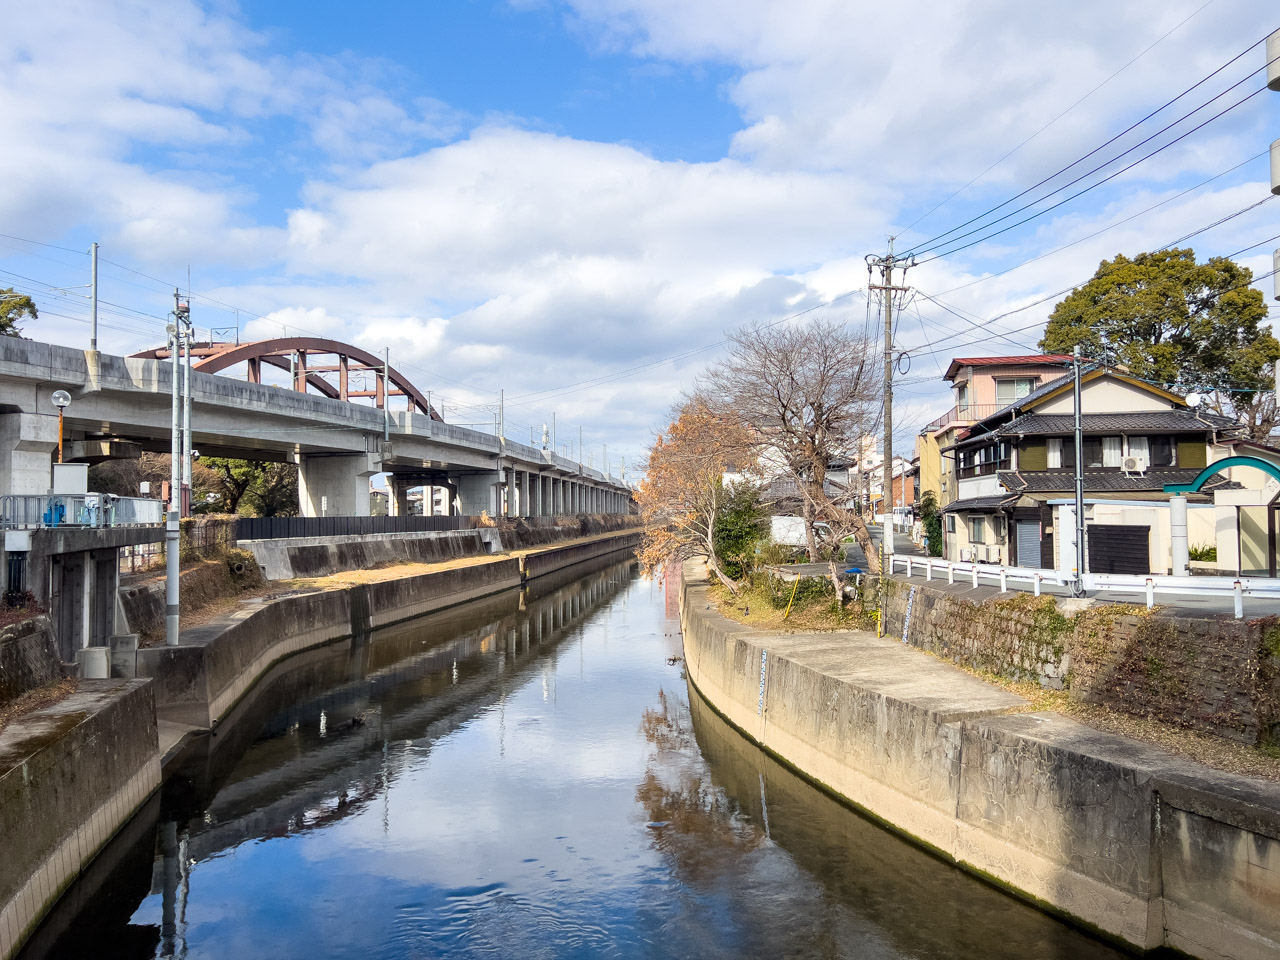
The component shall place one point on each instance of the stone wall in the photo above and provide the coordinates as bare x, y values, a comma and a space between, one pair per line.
1216, 676
70, 776
1144, 847
28, 657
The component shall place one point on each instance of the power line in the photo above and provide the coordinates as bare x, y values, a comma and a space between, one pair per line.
997, 163
1078, 193
932, 243
1110, 226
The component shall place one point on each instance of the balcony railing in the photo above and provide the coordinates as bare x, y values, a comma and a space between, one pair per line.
89, 510
983, 469
964, 413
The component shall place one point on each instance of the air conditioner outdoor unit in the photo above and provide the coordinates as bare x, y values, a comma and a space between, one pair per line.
1134, 464
966, 555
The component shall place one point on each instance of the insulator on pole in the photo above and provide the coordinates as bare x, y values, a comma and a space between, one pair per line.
1273, 61
1275, 167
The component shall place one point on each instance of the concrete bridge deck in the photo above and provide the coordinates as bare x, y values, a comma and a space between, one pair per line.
338, 445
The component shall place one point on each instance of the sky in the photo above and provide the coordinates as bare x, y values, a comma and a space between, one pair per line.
567, 203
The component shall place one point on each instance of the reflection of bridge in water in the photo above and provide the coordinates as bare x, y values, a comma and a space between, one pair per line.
289, 760
311, 765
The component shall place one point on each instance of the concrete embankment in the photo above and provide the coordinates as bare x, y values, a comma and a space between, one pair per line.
198, 681
71, 775
1119, 836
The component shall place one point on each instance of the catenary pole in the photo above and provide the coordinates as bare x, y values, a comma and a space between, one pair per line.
93, 274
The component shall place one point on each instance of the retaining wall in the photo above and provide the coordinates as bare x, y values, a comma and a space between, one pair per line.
196, 683
557, 558
1218, 676
1116, 835
28, 657
71, 775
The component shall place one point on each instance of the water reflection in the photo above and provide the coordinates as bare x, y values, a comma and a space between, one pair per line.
525, 776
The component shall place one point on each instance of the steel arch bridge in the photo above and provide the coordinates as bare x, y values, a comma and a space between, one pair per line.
298, 355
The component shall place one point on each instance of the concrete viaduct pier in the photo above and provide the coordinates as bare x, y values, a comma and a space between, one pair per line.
122, 404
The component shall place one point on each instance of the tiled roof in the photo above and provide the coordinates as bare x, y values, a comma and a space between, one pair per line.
1036, 360
980, 503
1168, 421
1104, 481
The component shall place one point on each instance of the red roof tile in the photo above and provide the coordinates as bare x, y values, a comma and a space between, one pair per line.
1040, 358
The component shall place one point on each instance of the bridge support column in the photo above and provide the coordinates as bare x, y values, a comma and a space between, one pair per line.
335, 486
397, 496
477, 493
27, 444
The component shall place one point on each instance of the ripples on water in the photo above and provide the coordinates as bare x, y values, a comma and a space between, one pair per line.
526, 776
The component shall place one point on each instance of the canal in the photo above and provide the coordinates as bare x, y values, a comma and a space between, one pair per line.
524, 776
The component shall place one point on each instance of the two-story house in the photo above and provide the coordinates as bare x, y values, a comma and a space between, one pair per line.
1015, 476
980, 386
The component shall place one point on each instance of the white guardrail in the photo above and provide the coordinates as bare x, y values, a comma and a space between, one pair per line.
1149, 585
93, 510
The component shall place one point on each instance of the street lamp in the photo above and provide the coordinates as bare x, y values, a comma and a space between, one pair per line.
61, 400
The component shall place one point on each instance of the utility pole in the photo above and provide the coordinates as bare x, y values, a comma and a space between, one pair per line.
579, 446
886, 265
386, 394
187, 445
553, 431
172, 534
1075, 363
93, 260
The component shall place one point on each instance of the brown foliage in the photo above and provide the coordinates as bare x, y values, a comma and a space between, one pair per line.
683, 487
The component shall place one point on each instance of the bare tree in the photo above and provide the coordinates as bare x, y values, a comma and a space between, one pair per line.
805, 394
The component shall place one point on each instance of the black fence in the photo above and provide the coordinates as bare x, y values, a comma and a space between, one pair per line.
279, 528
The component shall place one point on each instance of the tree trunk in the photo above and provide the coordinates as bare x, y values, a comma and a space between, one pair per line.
809, 519
863, 536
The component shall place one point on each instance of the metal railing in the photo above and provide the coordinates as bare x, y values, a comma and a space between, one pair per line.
932, 568
964, 413
92, 510
1148, 585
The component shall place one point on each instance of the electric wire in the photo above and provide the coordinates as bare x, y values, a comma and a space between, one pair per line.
932, 242
997, 163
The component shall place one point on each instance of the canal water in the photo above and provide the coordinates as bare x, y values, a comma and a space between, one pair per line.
526, 776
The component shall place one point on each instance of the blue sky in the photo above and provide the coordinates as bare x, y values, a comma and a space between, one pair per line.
542, 197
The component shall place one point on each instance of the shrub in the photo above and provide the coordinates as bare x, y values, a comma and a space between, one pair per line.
1204, 551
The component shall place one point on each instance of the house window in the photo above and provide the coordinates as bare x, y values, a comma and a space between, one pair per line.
962, 397
1092, 451
1007, 391
976, 530
951, 523
1111, 447
1055, 453
1161, 451
1139, 448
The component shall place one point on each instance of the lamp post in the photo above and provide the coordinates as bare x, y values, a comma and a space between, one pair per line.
61, 400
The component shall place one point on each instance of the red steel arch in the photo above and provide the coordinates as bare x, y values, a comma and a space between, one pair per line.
297, 353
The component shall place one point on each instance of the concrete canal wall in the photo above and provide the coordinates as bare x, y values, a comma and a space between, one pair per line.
1118, 836
28, 657
196, 683
71, 775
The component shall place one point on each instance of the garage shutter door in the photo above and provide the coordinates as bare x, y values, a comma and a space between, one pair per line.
1119, 548
1028, 544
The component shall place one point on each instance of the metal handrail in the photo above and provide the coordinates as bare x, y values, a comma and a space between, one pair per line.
1148, 584
87, 510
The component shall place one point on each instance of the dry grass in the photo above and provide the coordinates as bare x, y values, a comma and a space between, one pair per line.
1204, 748
755, 608
37, 699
